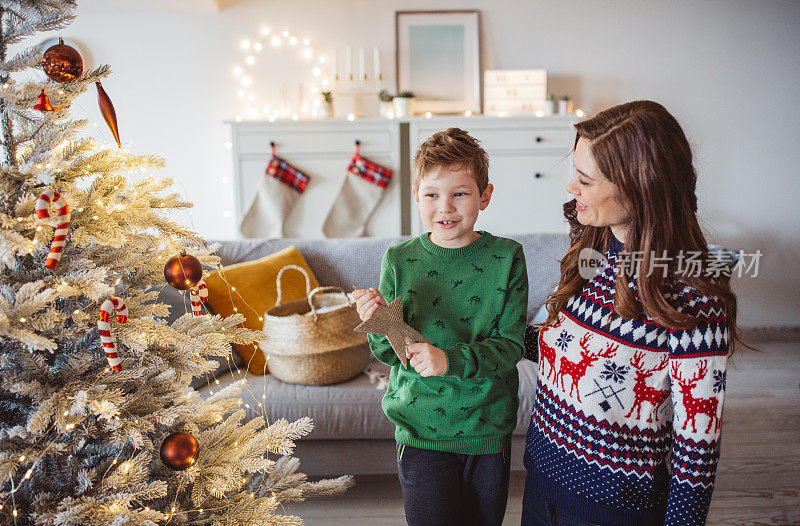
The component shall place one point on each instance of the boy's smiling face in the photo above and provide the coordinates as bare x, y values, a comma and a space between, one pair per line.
449, 201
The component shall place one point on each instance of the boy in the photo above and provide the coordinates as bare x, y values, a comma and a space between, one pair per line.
455, 405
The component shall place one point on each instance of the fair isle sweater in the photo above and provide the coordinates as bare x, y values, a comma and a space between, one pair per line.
471, 302
614, 398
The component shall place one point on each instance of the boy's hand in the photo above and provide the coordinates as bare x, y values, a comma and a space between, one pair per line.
426, 359
367, 301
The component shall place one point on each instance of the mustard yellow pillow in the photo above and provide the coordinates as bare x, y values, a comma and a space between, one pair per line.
255, 287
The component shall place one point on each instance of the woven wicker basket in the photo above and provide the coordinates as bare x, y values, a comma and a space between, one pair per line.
311, 340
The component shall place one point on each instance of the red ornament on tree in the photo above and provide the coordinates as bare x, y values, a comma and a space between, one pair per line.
183, 271
62, 63
107, 110
179, 451
43, 103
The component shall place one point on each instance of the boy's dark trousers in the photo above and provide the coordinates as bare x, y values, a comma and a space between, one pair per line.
444, 489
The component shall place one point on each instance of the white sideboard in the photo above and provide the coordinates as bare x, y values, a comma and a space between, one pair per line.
530, 163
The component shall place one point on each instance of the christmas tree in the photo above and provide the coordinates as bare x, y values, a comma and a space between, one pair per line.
98, 423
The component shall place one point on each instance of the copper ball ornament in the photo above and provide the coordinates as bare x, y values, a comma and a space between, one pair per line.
62, 63
183, 271
179, 451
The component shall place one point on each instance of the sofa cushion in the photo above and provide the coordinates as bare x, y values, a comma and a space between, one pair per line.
256, 292
349, 410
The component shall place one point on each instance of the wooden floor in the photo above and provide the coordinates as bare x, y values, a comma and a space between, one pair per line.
758, 480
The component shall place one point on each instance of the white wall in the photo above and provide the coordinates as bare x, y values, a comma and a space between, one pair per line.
728, 70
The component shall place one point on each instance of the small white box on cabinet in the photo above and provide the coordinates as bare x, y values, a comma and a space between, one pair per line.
514, 92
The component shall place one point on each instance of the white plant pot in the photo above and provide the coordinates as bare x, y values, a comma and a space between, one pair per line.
385, 108
549, 108
326, 110
402, 107
565, 107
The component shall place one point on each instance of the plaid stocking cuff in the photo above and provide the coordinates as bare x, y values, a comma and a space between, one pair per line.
372, 172
287, 174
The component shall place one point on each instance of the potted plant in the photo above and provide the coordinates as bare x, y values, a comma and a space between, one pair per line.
401, 103
326, 109
385, 103
565, 105
550, 105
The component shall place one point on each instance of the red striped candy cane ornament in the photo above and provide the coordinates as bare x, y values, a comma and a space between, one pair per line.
198, 294
43, 212
106, 310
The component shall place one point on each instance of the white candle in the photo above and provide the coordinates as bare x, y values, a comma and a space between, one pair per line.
334, 64
362, 70
377, 55
348, 62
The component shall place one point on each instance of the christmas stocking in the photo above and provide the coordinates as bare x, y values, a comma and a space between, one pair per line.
274, 198
364, 186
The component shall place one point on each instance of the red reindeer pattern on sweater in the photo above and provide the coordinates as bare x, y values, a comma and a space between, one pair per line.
547, 354
576, 370
695, 405
644, 393
587, 359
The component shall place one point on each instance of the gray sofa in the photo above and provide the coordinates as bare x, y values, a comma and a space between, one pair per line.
351, 433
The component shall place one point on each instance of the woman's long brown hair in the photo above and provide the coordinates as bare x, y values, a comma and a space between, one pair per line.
641, 149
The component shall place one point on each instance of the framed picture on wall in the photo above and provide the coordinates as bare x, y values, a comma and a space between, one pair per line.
438, 59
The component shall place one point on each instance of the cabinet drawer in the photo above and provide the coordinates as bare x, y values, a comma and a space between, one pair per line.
524, 138
511, 136
314, 141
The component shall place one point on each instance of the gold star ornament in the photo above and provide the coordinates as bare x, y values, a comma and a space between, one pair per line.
388, 321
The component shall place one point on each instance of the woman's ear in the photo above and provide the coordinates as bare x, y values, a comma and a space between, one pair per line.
486, 196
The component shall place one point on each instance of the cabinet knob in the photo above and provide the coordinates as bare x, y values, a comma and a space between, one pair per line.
539, 139
538, 175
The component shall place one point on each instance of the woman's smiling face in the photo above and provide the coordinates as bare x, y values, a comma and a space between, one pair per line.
598, 201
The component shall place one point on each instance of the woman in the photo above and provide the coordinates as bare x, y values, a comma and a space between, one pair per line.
632, 357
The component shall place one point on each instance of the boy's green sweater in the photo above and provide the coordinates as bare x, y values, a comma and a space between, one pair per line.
470, 302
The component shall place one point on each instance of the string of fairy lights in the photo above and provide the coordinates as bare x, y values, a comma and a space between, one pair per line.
252, 48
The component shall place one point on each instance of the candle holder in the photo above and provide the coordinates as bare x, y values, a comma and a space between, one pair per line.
357, 90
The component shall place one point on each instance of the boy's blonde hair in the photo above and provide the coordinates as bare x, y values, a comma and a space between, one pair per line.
452, 147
